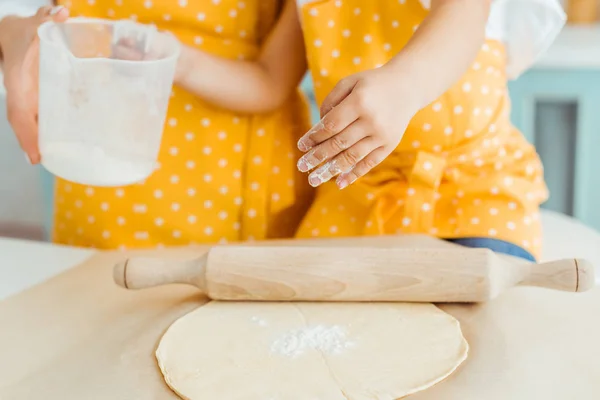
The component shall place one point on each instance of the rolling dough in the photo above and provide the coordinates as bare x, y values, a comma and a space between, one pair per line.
309, 351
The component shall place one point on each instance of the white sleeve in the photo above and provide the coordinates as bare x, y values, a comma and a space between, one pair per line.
21, 8
527, 28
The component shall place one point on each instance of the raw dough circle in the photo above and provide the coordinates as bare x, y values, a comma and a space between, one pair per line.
300, 351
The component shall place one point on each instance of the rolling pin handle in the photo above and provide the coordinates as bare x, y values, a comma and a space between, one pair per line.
569, 275
586, 277
142, 273
120, 274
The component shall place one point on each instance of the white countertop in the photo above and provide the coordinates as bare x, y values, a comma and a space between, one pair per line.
24, 264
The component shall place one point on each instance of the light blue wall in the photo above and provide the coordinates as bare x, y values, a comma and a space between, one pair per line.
559, 111
308, 89
48, 194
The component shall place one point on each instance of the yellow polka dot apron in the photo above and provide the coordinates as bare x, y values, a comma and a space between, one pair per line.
461, 169
222, 177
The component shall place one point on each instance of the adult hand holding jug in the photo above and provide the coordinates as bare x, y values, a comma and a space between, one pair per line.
96, 115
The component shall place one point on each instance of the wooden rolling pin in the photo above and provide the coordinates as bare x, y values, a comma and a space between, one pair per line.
254, 273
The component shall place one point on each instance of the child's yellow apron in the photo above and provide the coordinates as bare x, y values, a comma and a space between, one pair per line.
461, 170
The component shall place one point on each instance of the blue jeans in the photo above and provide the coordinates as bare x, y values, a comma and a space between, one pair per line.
499, 246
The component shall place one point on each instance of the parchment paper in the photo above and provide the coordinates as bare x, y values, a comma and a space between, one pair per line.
78, 336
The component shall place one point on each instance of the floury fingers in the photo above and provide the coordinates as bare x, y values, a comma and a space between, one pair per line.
324, 173
305, 143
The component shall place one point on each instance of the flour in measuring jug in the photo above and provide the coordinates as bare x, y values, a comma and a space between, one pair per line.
91, 165
329, 340
102, 127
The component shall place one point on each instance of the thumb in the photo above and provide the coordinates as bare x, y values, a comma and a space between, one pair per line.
339, 93
59, 14
56, 14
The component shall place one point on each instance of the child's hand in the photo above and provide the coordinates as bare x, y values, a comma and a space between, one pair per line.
366, 115
364, 118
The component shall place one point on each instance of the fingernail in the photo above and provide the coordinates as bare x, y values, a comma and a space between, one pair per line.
317, 127
314, 181
307, 162
28, 158
343, 182
324, 173
303, 145
302, 166
320, 176
56, 10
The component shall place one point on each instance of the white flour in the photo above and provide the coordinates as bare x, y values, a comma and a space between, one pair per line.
327, 339
90, 165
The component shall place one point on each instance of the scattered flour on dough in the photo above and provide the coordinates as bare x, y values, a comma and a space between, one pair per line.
259, 321
329, 340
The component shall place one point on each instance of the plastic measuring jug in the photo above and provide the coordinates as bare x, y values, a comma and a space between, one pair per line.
104, 89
